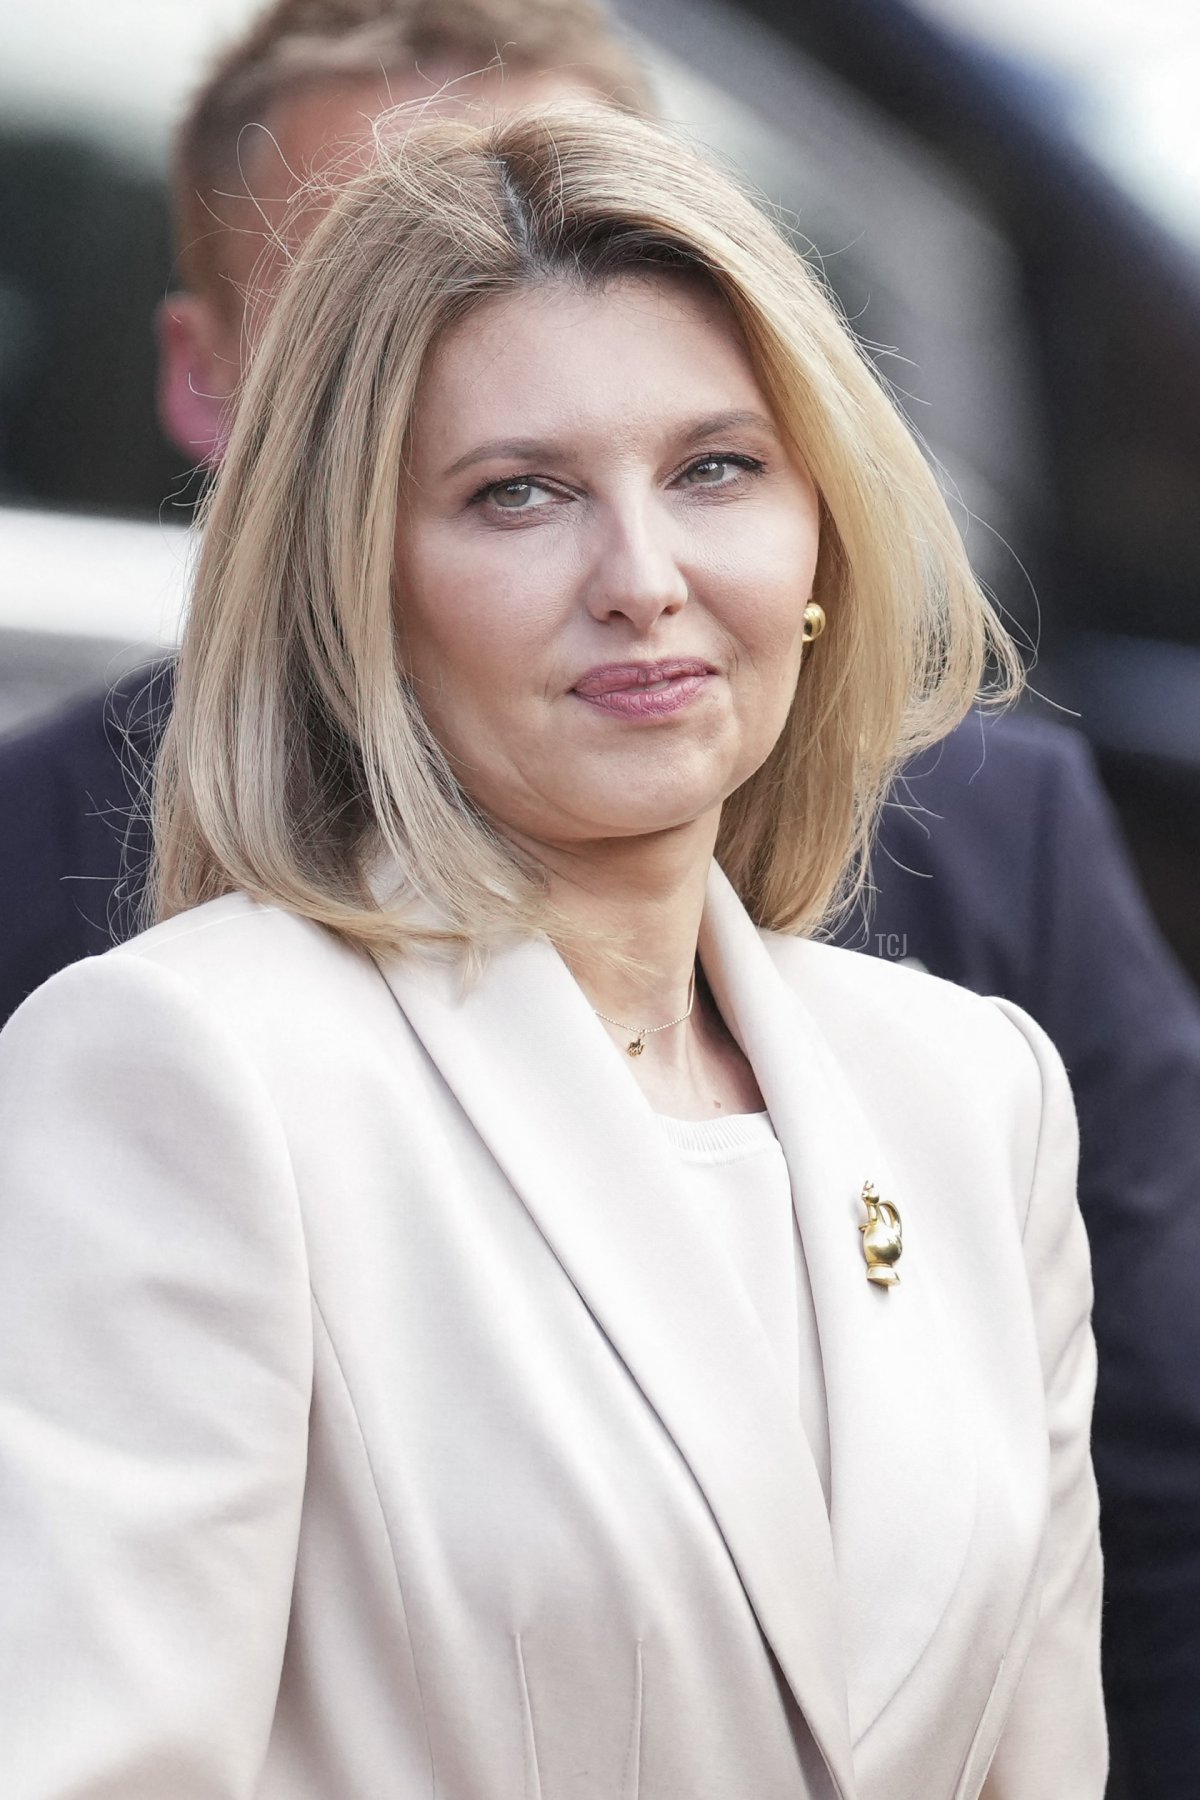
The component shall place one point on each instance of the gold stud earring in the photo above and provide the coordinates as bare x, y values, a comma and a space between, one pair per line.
814, 622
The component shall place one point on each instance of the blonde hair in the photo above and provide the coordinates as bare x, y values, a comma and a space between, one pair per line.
296, 46
297, 754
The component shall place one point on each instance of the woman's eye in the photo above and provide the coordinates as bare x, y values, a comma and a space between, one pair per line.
522, 494
719, 471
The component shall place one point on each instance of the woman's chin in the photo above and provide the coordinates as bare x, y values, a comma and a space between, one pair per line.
641, 819
619, 800
646, 813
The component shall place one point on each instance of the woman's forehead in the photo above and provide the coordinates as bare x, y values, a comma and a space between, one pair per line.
634, 353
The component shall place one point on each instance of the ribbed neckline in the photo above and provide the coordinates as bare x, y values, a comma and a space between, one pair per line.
719, 1140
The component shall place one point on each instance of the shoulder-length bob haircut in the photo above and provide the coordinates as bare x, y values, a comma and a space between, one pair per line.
297, 763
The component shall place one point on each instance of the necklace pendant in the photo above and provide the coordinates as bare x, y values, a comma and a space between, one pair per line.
636, 1045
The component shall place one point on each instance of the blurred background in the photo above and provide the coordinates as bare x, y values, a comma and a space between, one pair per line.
1005, 195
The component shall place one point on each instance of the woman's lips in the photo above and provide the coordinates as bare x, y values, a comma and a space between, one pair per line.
644, 690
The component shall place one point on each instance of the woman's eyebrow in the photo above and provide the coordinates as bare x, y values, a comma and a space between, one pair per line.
520, 449
534, 450
715, 423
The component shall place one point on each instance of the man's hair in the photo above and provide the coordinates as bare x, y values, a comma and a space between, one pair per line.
297, 46
298, 756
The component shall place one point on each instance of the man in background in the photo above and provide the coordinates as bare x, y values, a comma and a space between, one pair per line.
292, 100
998, 864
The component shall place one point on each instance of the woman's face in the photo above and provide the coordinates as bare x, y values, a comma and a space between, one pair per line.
603, 555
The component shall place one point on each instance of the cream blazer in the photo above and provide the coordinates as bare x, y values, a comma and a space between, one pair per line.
374, 1427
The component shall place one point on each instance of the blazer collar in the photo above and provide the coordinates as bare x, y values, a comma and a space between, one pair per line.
536, 1074
847, 1599
902, 1473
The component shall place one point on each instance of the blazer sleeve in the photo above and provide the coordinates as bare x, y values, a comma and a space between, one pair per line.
1053, 1744
155, 1372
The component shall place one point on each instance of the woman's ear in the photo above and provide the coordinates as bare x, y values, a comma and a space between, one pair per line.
198, 360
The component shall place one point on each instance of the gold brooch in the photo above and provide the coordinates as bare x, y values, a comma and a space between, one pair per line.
882, 1238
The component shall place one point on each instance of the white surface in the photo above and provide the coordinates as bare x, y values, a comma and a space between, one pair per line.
80, 577
1128, 72
120, 66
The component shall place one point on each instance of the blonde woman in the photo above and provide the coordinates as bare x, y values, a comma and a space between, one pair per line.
452, 1335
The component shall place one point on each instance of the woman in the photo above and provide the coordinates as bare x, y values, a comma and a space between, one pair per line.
453, 1342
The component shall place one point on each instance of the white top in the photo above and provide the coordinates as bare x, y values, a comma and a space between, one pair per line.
742, 1193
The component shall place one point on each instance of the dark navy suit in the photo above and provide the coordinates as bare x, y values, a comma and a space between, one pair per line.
998, 866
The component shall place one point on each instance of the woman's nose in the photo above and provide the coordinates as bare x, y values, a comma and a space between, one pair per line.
636, 573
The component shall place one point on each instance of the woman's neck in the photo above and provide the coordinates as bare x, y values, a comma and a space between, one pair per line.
634, 906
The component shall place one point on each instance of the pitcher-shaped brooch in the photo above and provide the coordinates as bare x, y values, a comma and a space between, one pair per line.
882, 1238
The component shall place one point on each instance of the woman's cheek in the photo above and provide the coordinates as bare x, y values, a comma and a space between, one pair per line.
768, 619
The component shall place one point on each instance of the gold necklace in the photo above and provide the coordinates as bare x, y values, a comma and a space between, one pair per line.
637, 1042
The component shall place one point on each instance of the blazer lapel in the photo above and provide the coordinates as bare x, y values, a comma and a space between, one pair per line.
537, 1076
902, 1478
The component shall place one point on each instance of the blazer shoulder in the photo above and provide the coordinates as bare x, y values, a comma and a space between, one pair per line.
241, 957
261, 988
934, 1029
225, 929
829, 976
286, 992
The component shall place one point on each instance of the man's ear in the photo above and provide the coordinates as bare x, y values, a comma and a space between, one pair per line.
197, 373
